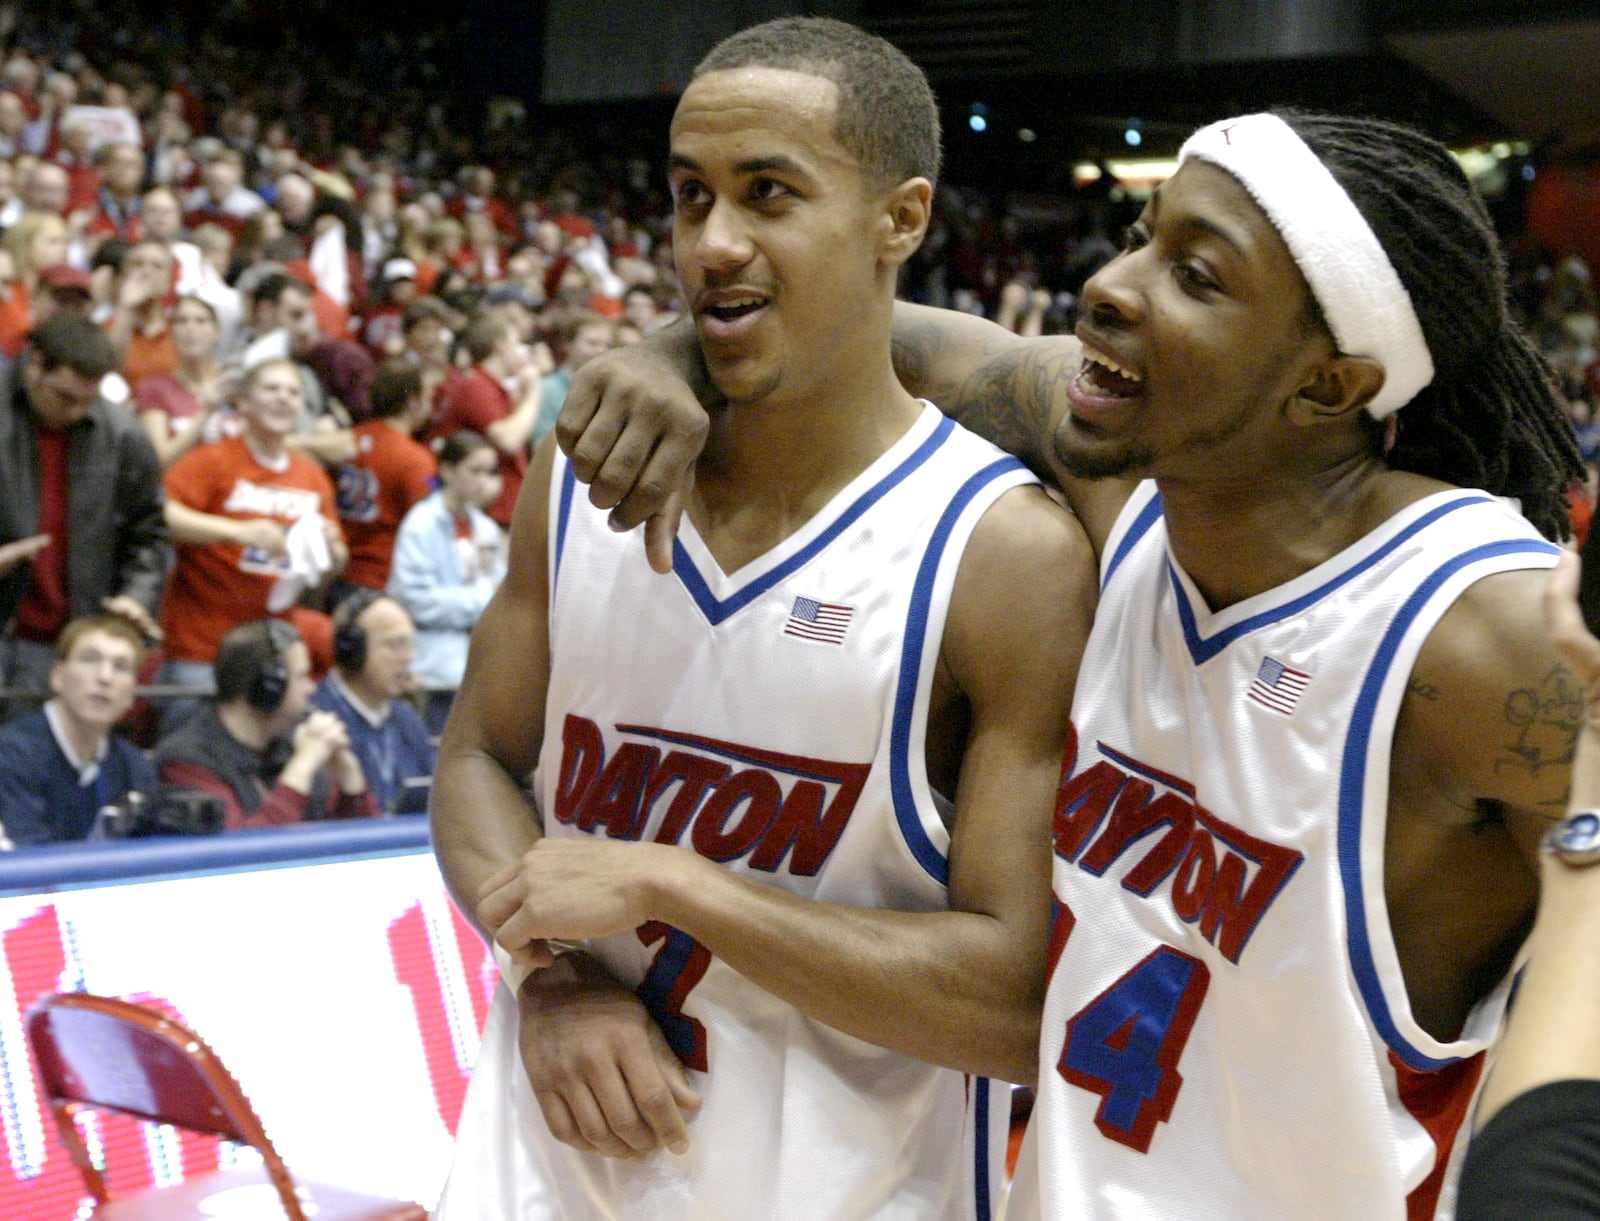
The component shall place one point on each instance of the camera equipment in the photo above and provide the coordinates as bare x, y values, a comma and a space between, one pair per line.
166, 812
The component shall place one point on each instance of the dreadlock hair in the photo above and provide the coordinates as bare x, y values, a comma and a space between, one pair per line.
1491, 418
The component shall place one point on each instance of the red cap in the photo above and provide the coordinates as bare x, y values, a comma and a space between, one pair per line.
61, 276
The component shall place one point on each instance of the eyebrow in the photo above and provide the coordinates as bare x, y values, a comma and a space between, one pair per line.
1192, 221
752, 165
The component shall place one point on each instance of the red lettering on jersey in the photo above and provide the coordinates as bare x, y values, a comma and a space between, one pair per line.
1233, 906
802, 825
1222, 877
582, 752
1081, 805
728, 813
1062, 922
1178, 813
698, 774
613, 800
758, 793
1195, 873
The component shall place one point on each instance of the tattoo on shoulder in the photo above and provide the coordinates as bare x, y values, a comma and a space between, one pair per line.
1546, 719
1426, 691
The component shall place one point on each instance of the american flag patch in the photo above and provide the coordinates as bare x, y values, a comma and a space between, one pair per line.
1278, 687
813, 620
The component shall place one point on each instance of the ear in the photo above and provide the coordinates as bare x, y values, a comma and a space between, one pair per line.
56, 677
903, 222
1338, 387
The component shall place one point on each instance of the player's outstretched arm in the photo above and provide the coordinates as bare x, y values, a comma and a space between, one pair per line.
602, 1074
961, 987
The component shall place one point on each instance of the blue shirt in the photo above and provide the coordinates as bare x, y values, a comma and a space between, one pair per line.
395, 755
42, 797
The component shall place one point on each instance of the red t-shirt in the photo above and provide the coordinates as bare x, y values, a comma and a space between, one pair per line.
44, 609
217, 586
149, 356
16, 320
391, 473
477, 400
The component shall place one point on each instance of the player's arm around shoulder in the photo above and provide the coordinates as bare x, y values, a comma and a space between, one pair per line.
481, 819
1019, 619
1008, 389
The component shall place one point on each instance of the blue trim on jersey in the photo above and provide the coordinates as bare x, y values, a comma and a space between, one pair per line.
980, 1165
1352, 790
1147, 517
905, 803
1204, 650
715, 611
569, 483
739, 756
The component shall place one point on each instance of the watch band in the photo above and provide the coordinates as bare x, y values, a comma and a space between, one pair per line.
1576, 838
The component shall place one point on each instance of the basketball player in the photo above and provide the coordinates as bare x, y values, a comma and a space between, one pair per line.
1318, 730
739, 769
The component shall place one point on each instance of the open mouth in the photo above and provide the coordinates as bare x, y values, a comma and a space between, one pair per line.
1103, 377
732, 311
728, 314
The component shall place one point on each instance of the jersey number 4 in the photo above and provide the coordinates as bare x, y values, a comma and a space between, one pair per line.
1125, 1044
674, 971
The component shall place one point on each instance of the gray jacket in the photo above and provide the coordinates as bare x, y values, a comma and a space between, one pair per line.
117, 540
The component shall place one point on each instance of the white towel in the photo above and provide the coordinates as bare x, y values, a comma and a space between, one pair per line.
309, 561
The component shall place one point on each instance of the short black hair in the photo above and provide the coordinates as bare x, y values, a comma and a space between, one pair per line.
246, 651
273, 286
1492, 417
395, 384
887, 116
483, 331
461, 445
74, 341
421, 310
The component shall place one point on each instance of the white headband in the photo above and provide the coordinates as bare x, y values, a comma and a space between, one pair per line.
1362, 298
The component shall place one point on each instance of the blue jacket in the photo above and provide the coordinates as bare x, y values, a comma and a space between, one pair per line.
41, 801
397, 755
426, 579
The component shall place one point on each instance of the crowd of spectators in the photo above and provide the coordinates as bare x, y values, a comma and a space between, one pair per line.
278, 327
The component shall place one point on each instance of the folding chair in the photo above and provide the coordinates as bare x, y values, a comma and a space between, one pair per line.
97, 1052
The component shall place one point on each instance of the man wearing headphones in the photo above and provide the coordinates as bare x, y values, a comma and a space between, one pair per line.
254, 746
374, 644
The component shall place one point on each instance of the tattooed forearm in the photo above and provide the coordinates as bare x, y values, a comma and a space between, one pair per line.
1003, 388
1546, 719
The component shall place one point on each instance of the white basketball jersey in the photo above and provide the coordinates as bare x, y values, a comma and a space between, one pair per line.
772, 720
1226, 1031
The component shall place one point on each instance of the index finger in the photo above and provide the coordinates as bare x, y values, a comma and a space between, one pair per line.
656, 1098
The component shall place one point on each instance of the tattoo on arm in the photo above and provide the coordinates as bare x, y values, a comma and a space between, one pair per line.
1546, 719
1008, 399
1426, 691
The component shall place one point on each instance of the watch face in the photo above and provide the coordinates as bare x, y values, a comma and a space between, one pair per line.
1578, 832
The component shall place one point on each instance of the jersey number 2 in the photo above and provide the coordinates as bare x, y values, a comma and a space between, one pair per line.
1125, 1044
675, 970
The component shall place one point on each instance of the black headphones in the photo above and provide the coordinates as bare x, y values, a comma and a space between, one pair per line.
271, 682
349, 637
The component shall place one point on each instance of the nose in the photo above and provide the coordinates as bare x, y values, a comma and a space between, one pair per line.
723, 243
1112, 295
